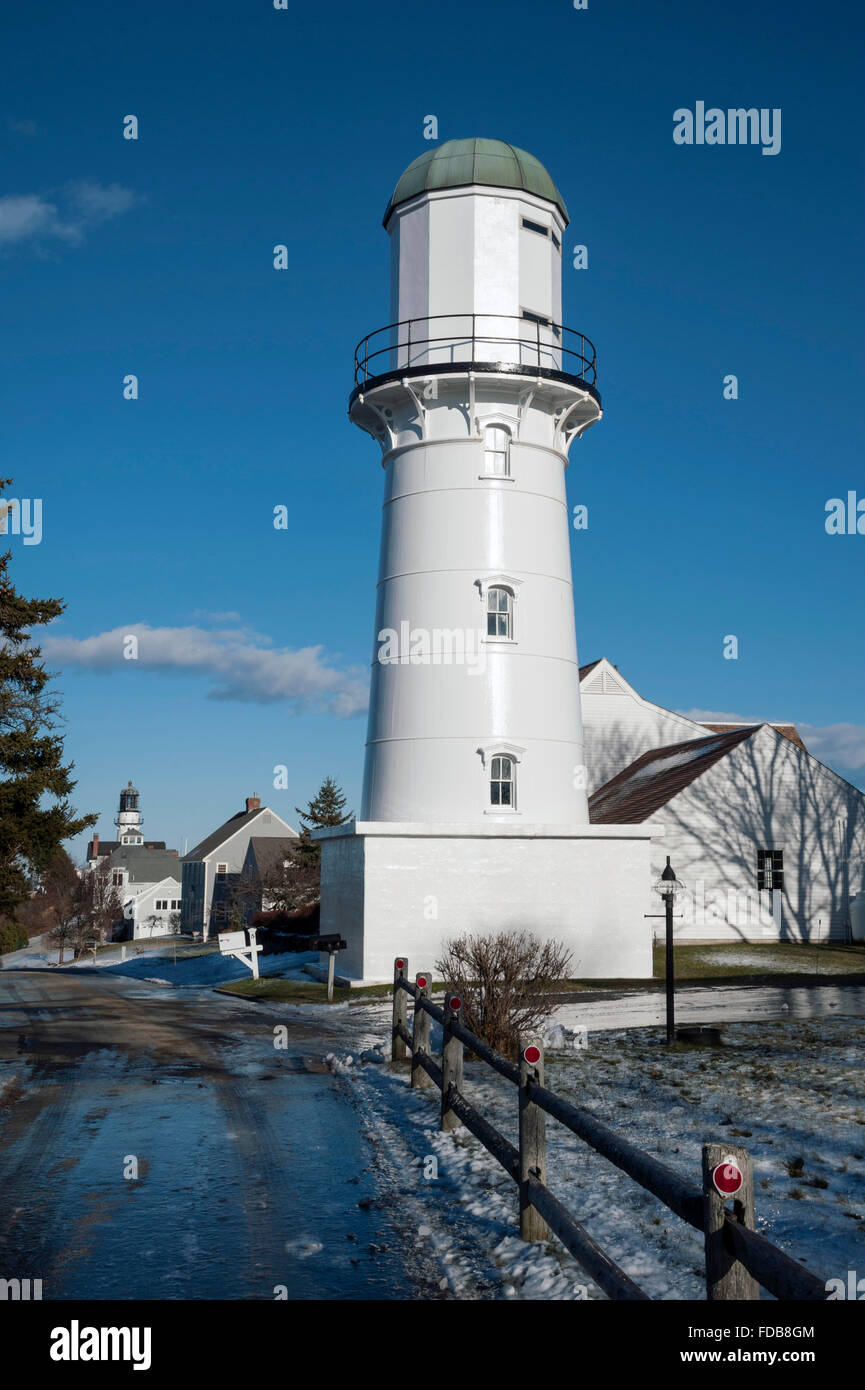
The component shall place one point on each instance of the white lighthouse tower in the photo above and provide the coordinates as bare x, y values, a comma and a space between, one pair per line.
474, 812
128, 818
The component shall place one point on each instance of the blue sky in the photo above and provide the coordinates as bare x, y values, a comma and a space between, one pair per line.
258, 127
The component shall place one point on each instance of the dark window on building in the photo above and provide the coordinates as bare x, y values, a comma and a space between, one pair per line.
535, 227
542, 320
556, 242
499, 612
501, 782
770, 869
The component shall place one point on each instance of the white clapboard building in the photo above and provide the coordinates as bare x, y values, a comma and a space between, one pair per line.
212, 871
769, 842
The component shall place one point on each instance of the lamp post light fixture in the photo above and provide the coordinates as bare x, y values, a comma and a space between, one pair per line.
668, 886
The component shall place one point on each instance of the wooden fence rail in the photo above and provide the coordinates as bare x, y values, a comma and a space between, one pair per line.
738, 1260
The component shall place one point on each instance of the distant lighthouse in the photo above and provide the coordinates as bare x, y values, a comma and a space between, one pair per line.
474, 812
128, 818
475, 397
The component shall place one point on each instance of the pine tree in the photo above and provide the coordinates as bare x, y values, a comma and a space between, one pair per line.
35, 815
326, 808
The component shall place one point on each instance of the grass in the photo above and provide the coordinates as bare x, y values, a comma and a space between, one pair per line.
696, 962
301, 991
691, 962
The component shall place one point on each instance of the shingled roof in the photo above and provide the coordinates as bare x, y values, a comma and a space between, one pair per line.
788, 731
641, 789
225, 831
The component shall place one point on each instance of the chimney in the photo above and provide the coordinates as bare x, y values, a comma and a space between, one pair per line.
252, 804
95, 845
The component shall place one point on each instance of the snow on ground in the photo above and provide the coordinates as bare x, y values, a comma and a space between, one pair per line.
154, 963
772, 961
789, 1090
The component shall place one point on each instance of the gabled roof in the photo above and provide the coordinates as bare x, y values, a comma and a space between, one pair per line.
269, 850
146, 865
640, 790
788, 731
229, 828
584, 670
225, 832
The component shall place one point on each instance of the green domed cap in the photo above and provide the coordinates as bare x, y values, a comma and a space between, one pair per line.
459, 162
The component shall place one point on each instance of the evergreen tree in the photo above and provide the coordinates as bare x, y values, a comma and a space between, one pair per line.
35, 815
326, 808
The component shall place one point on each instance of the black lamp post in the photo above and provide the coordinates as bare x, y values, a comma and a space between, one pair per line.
668, 886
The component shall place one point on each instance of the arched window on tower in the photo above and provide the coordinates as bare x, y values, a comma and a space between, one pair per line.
497, 451
502, 781
500, 611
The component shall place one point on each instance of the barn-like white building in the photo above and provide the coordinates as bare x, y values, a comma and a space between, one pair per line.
769, 842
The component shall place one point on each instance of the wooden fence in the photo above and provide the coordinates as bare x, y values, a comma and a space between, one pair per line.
738, 1260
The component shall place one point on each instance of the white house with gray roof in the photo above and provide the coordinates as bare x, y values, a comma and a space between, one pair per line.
212, 869
768, 841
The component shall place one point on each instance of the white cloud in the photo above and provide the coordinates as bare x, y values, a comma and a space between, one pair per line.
30, 217
839, 746
241, 665
714, 716
65, 215
93, 203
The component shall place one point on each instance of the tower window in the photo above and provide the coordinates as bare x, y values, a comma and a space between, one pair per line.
770, 869
497, 450
535, 227
542, 320
501, 781
556, 242
500, 612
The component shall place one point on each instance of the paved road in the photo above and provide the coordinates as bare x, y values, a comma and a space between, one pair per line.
250, 1160
722, 1003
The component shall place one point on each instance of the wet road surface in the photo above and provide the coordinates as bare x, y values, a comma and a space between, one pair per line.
722, 1003
253, 1178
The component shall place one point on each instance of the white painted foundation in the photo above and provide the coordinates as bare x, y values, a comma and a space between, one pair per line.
403, 889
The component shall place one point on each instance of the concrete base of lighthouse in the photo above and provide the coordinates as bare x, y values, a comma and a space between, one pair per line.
402, 889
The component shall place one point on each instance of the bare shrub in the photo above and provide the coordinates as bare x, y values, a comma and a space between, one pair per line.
505, 980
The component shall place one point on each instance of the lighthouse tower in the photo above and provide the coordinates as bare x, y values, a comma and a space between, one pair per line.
128, 818
474, 811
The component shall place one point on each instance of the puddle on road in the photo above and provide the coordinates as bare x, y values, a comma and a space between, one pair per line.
247, 1187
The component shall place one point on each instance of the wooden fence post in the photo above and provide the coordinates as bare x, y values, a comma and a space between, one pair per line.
420, 1031
400, 1010
727, 1277
533, 1138
452, 1061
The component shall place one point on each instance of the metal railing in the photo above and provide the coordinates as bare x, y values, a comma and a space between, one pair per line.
738, 1259
537, 343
